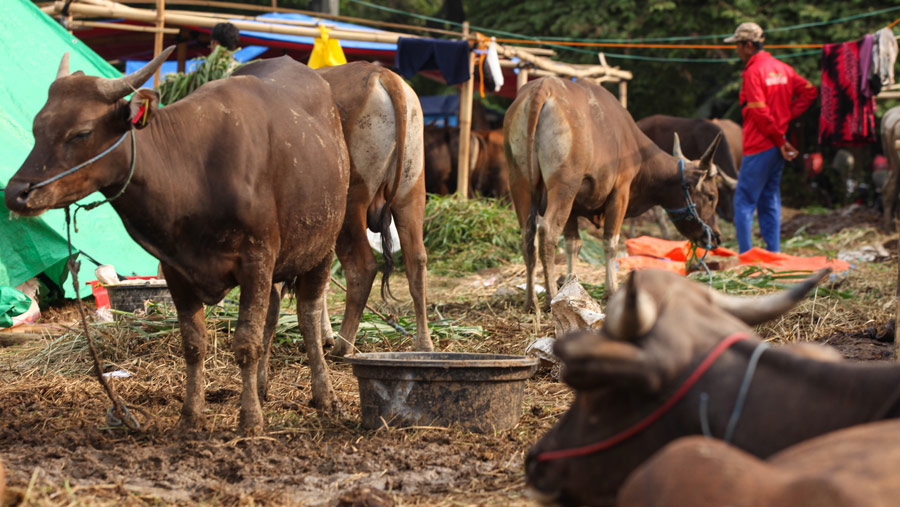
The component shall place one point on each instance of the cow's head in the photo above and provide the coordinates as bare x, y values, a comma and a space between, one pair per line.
83, 116
658, 326
703, 179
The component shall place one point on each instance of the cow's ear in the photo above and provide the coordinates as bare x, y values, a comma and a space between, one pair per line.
142, 107
593, 361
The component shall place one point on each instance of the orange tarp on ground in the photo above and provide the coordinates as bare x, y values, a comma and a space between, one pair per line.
650, 252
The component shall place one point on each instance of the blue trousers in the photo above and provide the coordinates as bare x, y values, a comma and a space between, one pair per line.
759, 189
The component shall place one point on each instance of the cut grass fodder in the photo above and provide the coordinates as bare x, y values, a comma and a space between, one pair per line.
466, 236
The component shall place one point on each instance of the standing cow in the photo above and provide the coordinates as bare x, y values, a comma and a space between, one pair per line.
573, 150
382, 122
442, 158
490, 175
890, 137
244, 182
695, 135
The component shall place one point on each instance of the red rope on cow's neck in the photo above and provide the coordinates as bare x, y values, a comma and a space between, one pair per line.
620, 437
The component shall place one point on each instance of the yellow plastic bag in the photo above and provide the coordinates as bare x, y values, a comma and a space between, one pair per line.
326, 51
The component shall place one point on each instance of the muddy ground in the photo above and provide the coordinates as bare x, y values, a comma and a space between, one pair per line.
58, 450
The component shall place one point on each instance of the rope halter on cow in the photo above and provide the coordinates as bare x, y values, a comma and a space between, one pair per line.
706, 364
688, 213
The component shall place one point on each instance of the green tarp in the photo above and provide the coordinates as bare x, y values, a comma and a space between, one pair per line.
31, 47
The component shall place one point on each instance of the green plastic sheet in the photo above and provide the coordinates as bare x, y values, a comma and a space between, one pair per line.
32, 46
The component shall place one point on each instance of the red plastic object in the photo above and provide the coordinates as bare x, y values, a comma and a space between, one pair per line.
101, 295
812, 162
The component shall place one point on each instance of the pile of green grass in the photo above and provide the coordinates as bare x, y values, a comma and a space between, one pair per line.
466, 236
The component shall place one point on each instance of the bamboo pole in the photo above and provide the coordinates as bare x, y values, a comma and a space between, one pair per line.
119, 26
465, 125
563, 69
521, 78
208, 22
158, 38
623, 93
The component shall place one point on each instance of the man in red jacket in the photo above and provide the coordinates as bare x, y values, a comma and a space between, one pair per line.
772, 94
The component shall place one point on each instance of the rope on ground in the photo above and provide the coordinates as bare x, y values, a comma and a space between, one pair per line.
389, 320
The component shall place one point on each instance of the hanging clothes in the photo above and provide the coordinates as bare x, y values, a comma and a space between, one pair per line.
847, 116
865, 65
493, 65
451, 57
884, 56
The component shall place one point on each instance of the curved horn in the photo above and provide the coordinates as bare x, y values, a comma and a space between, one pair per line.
631, 312
63, 66
706, 159
730, 182
676, 147
756, 310
115, 89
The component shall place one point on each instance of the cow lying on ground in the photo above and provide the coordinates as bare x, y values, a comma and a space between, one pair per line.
848, 468
695, 135
382, 123
244, 182
659, 329
573, 150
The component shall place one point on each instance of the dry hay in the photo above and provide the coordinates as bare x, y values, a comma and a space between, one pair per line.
55, 444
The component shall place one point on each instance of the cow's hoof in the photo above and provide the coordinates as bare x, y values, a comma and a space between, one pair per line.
262, 391
251, 422
190, 422
339, 350
331, 407
424, 345
328, 340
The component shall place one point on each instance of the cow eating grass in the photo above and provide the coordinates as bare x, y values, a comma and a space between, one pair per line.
244, 182
847, 468
573, 151
660, 329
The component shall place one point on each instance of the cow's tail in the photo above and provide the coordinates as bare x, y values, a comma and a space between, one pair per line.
538, 99
395, 89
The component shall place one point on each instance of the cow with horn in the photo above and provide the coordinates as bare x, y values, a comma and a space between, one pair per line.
573, 151
244, 182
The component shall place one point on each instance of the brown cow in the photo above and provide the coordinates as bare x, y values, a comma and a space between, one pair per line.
382, 122
890, 137
2, 482
573, 150
695, 135
490, 176
244, 182
441, 158
659, 328
735, 136
847, 468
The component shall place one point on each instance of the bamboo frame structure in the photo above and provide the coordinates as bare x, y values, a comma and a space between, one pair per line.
529, 61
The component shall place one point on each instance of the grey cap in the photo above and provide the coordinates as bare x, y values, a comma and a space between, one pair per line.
747, 32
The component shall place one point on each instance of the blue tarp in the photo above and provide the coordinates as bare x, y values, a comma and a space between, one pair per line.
439, 108
296, 39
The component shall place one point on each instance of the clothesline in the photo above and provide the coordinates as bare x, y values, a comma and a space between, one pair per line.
557, 40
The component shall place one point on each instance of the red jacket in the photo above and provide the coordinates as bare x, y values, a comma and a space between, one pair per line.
772, 94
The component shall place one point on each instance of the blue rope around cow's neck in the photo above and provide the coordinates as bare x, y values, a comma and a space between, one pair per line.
738, 408
689, 212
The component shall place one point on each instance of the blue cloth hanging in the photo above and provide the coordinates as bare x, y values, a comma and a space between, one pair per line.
451, 57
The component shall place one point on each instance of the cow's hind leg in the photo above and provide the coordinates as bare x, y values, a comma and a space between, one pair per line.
360, 268
410, 214
573, 243
521, 194
193, 338
549, 227
262, 376
309, 289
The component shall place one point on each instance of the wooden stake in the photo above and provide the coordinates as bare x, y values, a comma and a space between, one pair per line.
158, 38
181, 51
465, 125
623, 93
521, 78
